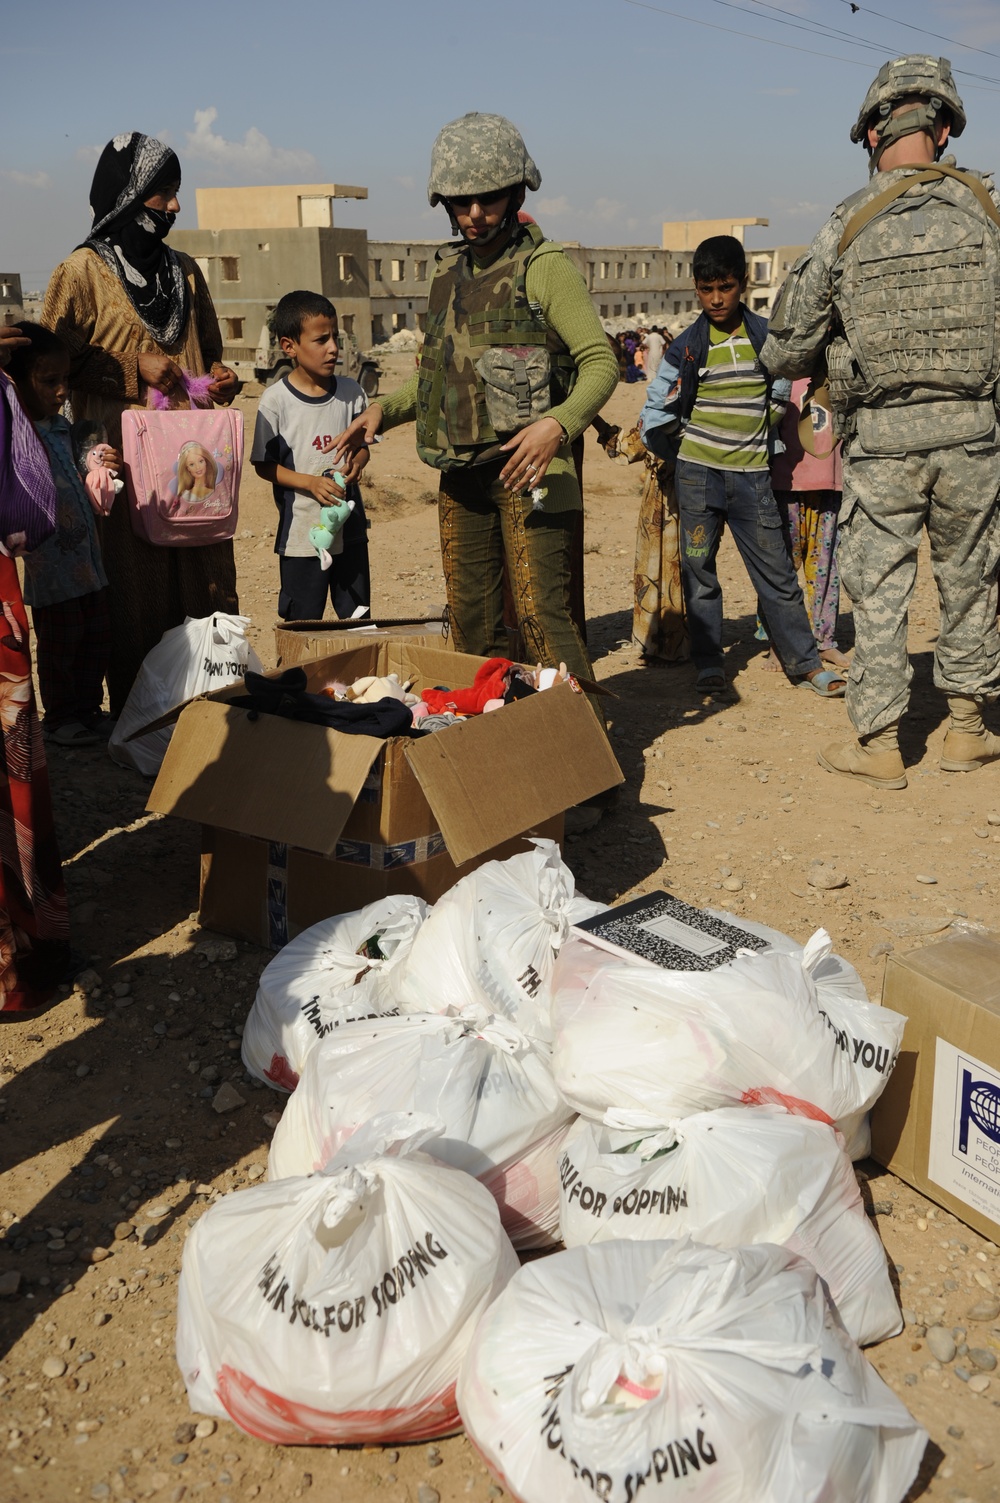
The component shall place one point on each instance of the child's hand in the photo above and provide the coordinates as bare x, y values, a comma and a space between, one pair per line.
355, 463
111, 459
325, 489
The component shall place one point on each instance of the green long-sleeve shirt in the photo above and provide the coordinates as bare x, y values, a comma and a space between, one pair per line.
556, 287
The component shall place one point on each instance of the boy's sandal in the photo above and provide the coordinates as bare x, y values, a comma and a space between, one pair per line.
73, 734
711, 681
828, 684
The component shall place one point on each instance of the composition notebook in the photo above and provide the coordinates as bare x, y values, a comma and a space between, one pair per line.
660, 930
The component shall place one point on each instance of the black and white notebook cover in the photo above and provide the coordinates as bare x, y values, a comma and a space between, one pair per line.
663, 931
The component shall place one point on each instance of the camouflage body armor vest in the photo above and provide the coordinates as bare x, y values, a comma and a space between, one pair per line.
916, 289
470, 312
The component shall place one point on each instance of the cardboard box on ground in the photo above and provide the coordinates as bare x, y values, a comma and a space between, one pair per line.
937, 1125
301, 822
301, 641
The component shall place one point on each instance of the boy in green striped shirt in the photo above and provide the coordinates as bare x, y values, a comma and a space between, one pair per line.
713, 407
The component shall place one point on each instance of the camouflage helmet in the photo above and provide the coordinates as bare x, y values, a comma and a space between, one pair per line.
479, 154
916, 75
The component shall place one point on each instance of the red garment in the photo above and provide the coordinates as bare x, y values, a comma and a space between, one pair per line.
489, 683
34, 925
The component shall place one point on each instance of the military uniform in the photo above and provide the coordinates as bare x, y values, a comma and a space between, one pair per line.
505, 344
901, 292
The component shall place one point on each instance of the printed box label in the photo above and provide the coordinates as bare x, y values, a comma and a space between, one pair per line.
964, 1153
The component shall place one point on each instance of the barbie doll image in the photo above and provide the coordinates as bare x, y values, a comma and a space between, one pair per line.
197, 473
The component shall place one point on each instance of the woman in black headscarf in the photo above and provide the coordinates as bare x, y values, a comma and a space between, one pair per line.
133, 312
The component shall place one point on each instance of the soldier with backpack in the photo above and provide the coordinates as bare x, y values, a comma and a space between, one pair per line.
901, 292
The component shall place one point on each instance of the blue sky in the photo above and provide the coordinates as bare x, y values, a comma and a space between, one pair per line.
634, 115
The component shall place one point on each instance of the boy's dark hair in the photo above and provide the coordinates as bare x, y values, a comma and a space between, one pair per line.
43, 342
293, 310
718, 257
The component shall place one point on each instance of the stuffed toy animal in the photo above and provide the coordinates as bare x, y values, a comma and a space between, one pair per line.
331, 522
370, 690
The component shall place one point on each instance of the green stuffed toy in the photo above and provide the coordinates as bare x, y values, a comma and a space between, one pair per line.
331, 522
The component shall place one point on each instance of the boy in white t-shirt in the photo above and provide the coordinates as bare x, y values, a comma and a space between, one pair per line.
297, 420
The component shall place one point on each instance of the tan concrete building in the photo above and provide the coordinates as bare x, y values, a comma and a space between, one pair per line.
11, 298
256, 244
687, 234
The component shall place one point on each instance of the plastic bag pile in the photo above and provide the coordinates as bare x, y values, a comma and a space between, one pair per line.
470, 1080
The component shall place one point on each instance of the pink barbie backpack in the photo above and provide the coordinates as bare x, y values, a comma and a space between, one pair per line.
182, 470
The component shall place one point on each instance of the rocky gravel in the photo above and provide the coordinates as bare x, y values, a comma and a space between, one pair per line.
126, 1112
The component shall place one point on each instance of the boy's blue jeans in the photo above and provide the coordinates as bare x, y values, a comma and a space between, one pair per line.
707, 499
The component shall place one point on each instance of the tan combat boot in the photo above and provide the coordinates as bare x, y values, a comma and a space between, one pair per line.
968, 744
873, 759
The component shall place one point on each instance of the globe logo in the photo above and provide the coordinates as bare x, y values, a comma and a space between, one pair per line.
981, 1105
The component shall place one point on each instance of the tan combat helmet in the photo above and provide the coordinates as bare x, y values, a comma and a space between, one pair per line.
917, 77
479, 154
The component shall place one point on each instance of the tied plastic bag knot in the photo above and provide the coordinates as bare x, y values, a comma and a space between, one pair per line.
817, 947
348, 1188
635, 1367
500, 1032
391, 1135
656, 1134
226, 629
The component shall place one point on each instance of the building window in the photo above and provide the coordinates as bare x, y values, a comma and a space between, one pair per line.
344, 267
230, 268
632, 269
619, 269
420, 272
377, 270
677, 305
590, 273
604, 310
264, 245
398, 321
347, 323
617, 310
605, 270
645, 269
398, 270
630, 309
643, 307
679, 268
204, 265
378, 326
689, 306
785, 265
234, 330
762, 271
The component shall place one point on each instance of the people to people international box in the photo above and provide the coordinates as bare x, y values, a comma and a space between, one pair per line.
301, 822
937, 1124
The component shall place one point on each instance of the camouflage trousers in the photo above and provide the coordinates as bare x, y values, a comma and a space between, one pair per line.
481, 526
887, 504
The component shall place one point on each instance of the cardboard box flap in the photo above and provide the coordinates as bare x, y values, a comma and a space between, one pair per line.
270, 777
966, 963
495, 776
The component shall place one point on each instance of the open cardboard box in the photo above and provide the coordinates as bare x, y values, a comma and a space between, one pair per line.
937, 1123
301, 822
302, 641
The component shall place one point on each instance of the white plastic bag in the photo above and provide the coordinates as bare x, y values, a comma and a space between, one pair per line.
836, 982
750, 1032
662, 1370
488, 1083
335, 1310
491, 941
729, 1178
204, 653
332, 973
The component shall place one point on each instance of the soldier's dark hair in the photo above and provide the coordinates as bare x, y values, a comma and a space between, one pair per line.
293, 310
718, 257
43, 342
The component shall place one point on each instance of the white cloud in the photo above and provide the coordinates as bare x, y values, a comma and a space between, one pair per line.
89, 155
405, 182
550, 206
605, 210
254, 154
26, 179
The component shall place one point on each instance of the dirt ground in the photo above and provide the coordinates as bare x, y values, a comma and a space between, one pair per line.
113, 1150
